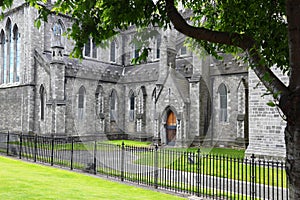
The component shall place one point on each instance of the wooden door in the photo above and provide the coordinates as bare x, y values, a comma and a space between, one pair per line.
171, 128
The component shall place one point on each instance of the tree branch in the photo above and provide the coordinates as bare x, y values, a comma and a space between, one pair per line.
240, 40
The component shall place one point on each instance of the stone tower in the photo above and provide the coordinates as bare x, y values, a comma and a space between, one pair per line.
57, 79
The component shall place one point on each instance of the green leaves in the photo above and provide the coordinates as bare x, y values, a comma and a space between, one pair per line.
263, 20
37, 23
271, 104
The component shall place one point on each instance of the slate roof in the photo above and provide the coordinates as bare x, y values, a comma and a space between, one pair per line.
181, 83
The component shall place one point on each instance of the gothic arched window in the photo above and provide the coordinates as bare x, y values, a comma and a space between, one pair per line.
17, 44
136, 51
42, 101
90, 49
94, 49
113, 106
113, 51
131, 105
57, 31
99, 100
81, 102
223, 103
87, 48
3, 60
183, 50
9, 54
158, 43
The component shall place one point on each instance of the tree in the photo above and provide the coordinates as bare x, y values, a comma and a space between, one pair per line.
267, 32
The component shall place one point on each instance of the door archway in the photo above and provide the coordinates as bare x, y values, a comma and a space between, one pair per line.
171, 128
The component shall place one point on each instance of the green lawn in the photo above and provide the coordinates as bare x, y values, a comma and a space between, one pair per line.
129, 143
220, 162
21, 180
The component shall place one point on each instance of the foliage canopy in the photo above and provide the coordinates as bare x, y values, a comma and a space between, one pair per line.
262, 20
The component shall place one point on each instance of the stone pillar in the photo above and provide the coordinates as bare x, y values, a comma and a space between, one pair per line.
57, 80
167, 55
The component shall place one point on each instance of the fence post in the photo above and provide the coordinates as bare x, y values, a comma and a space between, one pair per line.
52, 149
156, 167
35, 147
198, 171
95, 158
7, 144
20, 147
122, 161
252, 188
72, 151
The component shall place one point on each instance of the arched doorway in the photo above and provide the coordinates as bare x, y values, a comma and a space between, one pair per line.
171, 128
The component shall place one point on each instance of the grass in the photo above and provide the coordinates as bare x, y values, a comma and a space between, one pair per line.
77, 146
173, 158
129, 143
21, 180
216, 163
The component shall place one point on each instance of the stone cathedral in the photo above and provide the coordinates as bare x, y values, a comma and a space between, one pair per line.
175, 98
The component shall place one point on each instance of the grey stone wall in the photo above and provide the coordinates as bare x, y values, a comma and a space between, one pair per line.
266, 127
17, 113
230, 73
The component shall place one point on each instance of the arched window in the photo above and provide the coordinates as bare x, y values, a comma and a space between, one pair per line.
17, 43
136, 51
90, 49
141, 109
183, 50
8, 73
113, 106
158, 42
81, 102
94, 49
42, 102
99, 100
113, 51
87, 48
242, 98
131, 105
223, 103
3, 60
57, 31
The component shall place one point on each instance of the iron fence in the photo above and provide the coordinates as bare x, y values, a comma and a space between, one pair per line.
177, 170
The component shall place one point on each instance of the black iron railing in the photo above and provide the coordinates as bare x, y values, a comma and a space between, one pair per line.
177, 170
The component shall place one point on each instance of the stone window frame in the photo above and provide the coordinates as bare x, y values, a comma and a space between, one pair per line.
113, 51
223, 102
99, 100
92, 50
135, 51
81, 102
17, 51
157, 45
10, 53
113, 101
241, 107
3, 58
42, 92
131, 106
58, 28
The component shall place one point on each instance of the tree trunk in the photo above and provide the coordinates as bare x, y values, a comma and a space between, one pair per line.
292, 140
290, 104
